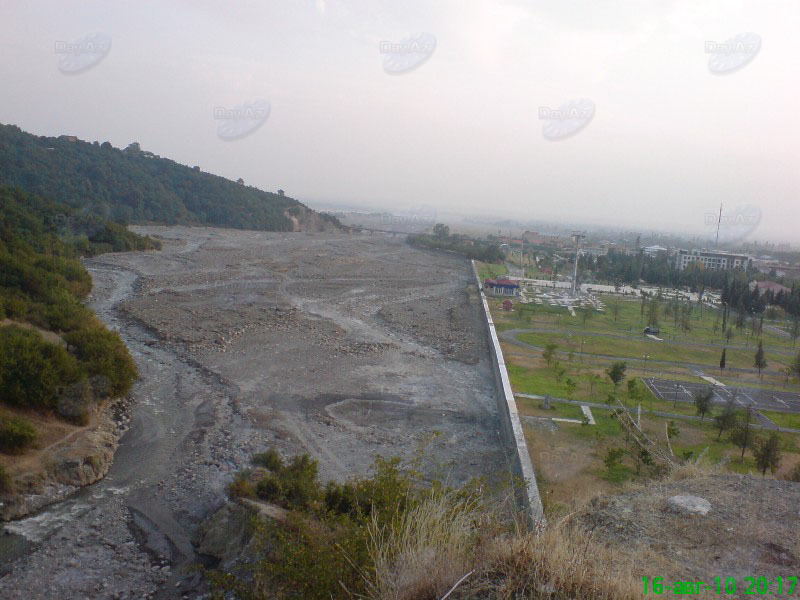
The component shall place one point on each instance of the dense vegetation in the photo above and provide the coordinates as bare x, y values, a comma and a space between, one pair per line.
621, 268
323, 548
55, 355
132, 186
395, 535
442, 239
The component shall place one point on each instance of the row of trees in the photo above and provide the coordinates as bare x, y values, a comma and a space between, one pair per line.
442, 239
622, 268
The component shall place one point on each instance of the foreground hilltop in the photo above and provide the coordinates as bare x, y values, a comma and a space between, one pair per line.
136, 186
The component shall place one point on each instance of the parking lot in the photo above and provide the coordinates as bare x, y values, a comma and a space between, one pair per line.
683, 391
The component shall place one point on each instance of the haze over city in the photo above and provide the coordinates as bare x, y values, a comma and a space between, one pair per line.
669, 140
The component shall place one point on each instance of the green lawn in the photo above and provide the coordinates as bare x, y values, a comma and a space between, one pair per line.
630, 320
490, 270
638, 346
782, 419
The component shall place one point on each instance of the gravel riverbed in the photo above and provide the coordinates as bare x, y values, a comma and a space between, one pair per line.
343, 346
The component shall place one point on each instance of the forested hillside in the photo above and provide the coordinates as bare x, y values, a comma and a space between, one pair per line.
55, 355
134, 186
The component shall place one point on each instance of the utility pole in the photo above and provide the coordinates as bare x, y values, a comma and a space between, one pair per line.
719, 220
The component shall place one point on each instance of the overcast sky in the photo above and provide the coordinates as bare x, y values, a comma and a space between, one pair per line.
462, 132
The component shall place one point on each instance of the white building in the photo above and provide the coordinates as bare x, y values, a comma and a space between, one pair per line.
713, 261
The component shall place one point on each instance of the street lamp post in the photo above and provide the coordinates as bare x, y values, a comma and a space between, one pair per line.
580, 357
675, 401
645, 357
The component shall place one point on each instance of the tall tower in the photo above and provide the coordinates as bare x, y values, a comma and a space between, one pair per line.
577, 236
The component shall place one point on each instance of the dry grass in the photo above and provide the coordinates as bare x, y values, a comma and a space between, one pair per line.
433, 547
427, 551
692, 469
446, 542
563, 561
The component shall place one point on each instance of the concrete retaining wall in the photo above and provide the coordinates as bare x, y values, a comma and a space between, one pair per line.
510, 425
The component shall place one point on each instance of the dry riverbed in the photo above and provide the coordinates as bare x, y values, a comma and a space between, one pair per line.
343, 346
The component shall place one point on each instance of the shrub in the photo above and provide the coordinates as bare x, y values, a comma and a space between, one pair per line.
105, 354
269, 460
32, 369
16, 434
241, 487
270, 489
6, 485
794, 474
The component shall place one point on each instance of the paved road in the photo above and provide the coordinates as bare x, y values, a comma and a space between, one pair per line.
761, 399
763, 422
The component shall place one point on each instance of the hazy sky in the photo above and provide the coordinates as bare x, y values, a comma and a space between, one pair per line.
668, 142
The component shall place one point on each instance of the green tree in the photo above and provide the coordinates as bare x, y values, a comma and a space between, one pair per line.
634, 390
571, 387
795, 366
767, 453
441, 231
729, 335
759, 361
702, 402
794, 332
741, 434
652, 311
616, 372
586, 314
549, 352
672, 430
727, 418
615, 308
642, 456
613, 458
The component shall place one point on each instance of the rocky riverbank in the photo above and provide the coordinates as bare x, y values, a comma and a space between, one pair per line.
80, 460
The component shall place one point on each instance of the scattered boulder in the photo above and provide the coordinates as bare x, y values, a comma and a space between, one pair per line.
689, 505
225, 534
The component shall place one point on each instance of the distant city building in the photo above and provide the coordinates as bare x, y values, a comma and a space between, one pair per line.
543, 239
654, 250
711, 260
501, 287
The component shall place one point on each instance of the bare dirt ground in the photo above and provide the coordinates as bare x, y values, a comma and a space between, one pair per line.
750, 530
341, 346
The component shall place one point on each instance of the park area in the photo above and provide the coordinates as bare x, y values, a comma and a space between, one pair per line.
557, 362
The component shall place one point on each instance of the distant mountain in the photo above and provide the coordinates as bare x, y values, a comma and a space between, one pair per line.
136, 186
